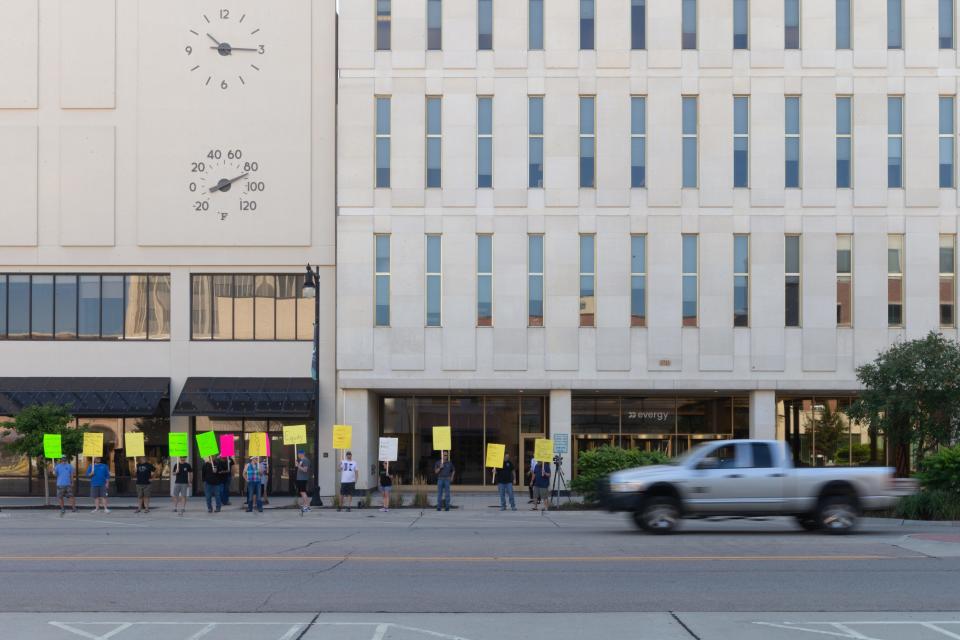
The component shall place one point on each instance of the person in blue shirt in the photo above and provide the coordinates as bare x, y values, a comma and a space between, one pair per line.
541, 485
64, 473
99, 474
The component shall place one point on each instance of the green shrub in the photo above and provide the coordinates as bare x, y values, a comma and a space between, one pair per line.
930, 505
593, 466
941, 471
861, 454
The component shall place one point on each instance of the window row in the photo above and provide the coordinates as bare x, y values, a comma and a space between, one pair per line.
689, 142
250, 306
689, 24
689, 280
70, 306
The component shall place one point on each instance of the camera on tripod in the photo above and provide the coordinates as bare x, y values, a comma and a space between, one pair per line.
558, 460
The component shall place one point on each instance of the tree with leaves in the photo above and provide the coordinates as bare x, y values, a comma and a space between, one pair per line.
911, 396
829, 430
29, 427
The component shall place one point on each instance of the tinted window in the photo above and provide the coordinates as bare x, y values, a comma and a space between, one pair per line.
762, 455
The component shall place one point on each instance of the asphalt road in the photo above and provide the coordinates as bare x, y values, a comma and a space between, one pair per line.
469, 562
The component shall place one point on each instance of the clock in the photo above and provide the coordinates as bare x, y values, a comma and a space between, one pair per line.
225, 184
224, 49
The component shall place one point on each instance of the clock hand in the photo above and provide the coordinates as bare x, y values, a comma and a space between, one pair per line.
225, 184
232, 48
214, 39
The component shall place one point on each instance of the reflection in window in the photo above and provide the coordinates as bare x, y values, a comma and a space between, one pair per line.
945, 16
383, 25
65, 307
3, 306
844, 280
588, 142
638, 281
382, 142
948, 269
843, 24
484, 142
792, 283
688, 22
89, 313
741, 22
535, 141
382, 294
434, 25
638, 142
111, 307
18, 307
792, 142
535, 280
587, 18
434, 281
894, 24
895, 281
690, 142
895, 142
791, 24
588, 280
741, 141
41, 307
484, 280
434, 142
741, 280
638, 24
947, 129
535, 27
158, 322
689, 280
484, 25
135, 317
249, 307
844, 142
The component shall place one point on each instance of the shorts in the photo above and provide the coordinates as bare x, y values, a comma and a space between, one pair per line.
98, 492
541, 493
180, 490
301, 486
143, 490
346, 488
65, 491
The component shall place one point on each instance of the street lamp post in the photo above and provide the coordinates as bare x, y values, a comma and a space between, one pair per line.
311, 289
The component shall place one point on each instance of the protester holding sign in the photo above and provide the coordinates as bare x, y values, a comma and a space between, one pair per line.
144, 474
386, 484
348, 480
252, 474
211, 485
64, 473
99, 474
541, 485
445, 472
182, 479
504, 477
303, 476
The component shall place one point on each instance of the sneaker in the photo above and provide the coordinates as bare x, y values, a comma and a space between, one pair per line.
105, 510
62, 511
209, 510
217, 510
137, 511
146, 510
95, 510
174, 509
259, 510
446, 508
438, 508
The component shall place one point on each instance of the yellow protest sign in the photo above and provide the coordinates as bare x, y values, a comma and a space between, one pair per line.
258, 445
543, 450
92, 445
342, 436
134, 446
495, 455
441, 439
295, 434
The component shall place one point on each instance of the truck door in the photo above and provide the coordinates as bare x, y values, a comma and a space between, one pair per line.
716, 483
763, 481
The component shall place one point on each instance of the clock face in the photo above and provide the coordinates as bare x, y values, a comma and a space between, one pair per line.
225, 184
224, 49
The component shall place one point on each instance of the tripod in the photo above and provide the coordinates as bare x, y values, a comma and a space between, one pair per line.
559, 482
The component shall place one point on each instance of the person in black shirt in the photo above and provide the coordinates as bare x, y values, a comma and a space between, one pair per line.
225, 471
211, 485
504, 477
182, 479
144, 472
386, 484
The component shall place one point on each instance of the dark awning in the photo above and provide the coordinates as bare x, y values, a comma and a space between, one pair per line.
89, 397
247, 398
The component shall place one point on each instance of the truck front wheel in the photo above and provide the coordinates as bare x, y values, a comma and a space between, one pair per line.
658, 515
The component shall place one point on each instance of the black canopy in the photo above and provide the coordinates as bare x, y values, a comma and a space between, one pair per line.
247, 398
89, 397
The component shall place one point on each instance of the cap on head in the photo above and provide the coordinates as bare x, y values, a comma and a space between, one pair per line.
349, 453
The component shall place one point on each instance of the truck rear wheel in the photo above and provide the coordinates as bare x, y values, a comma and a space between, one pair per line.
837, 514
658, 515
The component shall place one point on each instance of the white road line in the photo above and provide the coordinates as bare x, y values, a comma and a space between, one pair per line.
207, 629
935, 627
291, 632
380, 632
852, 634
122, 626
793, 627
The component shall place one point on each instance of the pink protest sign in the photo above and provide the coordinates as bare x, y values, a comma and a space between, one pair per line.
226, 445
268, 445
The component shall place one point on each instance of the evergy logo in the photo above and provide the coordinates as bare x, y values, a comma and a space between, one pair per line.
656, 416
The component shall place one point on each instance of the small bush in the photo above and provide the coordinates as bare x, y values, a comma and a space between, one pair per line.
941, 471
593, 466
930, 505
861, 454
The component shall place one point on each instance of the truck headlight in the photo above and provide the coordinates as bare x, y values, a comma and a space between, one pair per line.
626, 487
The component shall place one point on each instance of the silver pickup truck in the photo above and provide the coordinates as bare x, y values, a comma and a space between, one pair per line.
747, 478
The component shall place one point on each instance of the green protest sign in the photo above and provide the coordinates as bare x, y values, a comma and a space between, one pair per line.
52, 449
178, 444
207, 444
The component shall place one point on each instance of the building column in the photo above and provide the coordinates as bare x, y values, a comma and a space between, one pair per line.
763, 414
356, 411
561, 410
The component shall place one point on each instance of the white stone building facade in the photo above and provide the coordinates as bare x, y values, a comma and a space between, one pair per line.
166, 171
840, 253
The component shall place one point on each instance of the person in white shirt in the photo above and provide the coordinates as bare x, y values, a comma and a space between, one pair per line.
348, 480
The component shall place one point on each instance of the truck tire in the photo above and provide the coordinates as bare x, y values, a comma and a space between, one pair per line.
658, 515
808, 523
837, 514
